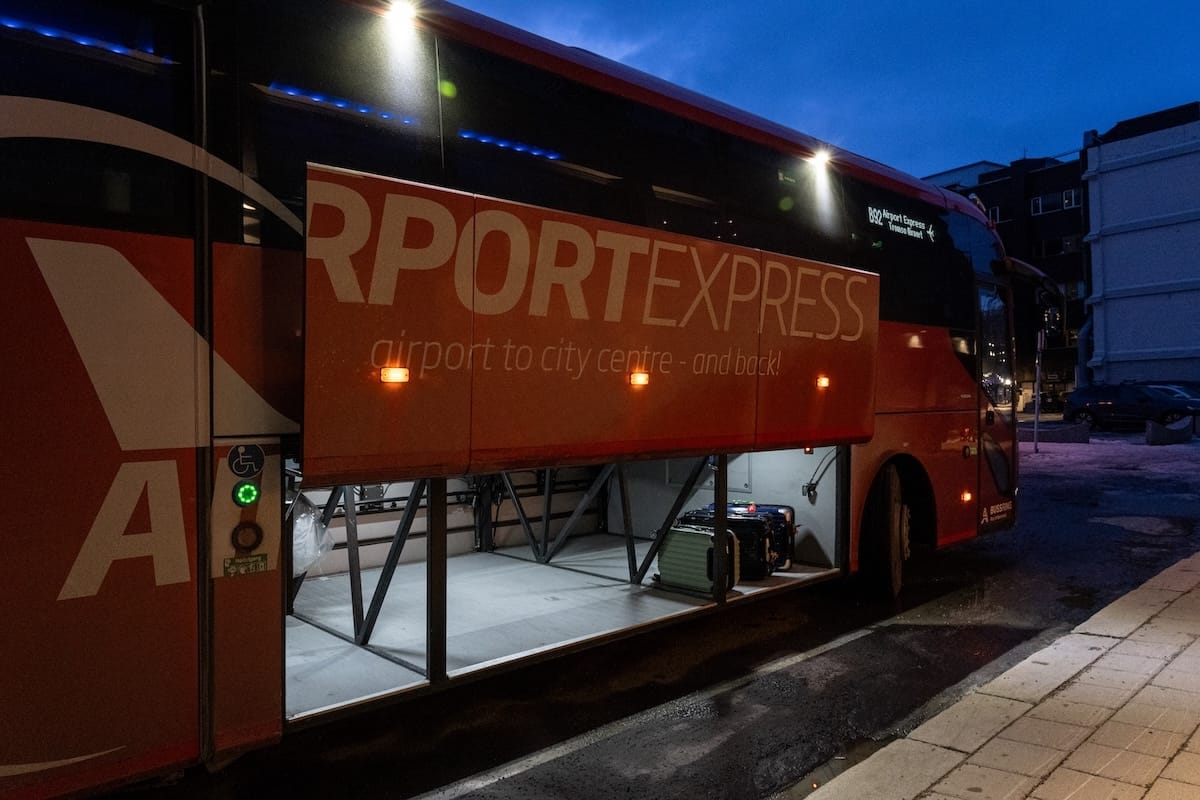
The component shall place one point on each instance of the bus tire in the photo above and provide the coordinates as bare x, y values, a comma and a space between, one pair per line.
885, 534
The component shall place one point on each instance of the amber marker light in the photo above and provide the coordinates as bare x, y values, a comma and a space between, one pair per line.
822, 381
639, 379
966, 496
393, 375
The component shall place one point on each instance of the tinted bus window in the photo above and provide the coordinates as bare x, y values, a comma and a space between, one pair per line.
516, 132
925, 277
72, 67
337, 85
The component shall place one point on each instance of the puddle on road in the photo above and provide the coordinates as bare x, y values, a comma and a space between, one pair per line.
855, 753
1081, 597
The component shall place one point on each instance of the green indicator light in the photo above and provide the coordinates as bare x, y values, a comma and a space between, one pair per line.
245, 493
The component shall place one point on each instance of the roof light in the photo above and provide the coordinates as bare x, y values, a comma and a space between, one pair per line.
966, 496
639, 379
401, 11
820, 159
822, 381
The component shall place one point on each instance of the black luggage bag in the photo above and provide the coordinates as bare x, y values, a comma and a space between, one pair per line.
782, 525
753, 532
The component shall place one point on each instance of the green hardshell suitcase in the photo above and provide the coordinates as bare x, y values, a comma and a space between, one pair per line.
685, 559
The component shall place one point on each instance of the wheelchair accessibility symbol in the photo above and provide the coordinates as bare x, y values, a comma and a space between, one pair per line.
246, 460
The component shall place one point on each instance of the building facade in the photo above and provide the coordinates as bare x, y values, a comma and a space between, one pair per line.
1036, 205
1143, 205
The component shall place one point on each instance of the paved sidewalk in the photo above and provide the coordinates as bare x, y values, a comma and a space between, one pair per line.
1109, 711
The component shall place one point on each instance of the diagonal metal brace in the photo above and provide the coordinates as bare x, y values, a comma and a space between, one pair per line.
580, 507
525, 526
362, 634
684, 493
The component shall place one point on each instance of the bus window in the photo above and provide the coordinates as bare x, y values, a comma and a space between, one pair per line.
995, 357
924, 273
514, 132
336, 85
70, 66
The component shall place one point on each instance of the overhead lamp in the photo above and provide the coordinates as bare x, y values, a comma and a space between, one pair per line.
822, 381
639, 379
393, 375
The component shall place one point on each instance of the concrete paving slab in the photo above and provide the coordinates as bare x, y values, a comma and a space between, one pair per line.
1113, 678
970, 781
1097, 695
1118, 765
1056, 709
1126, 614
1170, 790
970, 722
1176, 676
1058, 735
1185, 768
1139, 739
1020, 757
1121, 662
901, 771
1067, 784
1174, 720
1046, 670
1162, 634
1168, 698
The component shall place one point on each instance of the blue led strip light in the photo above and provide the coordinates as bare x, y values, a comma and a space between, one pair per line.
508, 144
337, 103
58, 34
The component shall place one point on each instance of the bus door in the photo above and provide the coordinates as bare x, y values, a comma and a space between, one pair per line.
997, 412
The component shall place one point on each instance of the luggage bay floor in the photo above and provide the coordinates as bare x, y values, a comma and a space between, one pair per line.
501, 606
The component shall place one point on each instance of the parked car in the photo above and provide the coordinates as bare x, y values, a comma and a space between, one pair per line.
1051, 401
1100, 405
1184, 391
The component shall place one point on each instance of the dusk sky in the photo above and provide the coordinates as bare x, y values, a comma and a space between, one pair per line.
924, 87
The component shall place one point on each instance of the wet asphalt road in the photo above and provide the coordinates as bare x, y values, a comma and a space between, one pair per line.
746, 703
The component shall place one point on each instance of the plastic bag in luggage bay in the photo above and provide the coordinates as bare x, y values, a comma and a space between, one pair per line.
310, 538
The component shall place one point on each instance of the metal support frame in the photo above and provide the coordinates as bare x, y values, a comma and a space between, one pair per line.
545, 550
573, 520
363, 630
685, 492
346, 494
512, 492
627, 523
547, 500
436, 584
720, 499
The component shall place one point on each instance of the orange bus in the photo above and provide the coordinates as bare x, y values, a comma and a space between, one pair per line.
367, 349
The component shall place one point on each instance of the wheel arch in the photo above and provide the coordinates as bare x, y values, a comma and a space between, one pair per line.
918, 495
917, 491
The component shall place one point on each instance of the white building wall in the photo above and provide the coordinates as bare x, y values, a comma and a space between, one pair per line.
1144, 205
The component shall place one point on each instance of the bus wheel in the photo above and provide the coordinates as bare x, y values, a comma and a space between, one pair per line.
885, 534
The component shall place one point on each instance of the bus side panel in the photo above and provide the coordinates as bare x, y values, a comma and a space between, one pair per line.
247, 636
926, 401
101, 423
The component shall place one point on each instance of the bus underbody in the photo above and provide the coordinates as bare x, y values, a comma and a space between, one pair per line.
569, 564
